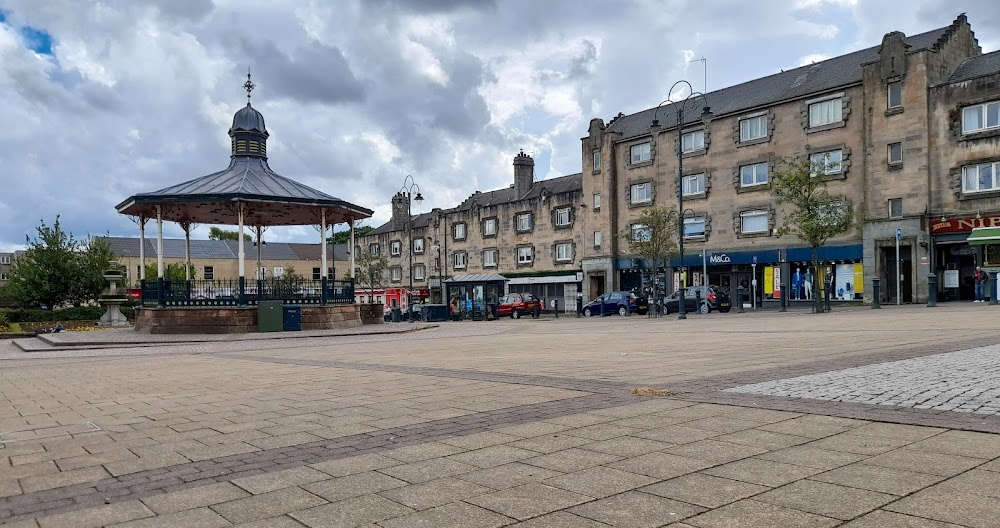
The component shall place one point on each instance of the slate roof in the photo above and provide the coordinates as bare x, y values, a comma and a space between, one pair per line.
816, 78
476, 277
225, 249
973, 67
557, 185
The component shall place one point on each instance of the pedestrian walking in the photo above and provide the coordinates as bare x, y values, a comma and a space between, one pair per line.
980, 285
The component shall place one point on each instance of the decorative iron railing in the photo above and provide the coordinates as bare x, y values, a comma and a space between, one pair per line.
246, 293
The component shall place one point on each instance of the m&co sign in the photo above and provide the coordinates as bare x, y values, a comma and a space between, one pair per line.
958, 225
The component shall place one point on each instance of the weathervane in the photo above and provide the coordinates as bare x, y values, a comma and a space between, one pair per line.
248, 86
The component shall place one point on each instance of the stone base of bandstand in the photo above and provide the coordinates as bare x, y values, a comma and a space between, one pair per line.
232, 320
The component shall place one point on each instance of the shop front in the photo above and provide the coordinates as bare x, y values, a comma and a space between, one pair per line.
988, 238
565, 289
474, 296
762, 272
957, 253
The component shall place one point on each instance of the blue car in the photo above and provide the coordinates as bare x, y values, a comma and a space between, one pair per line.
621, 303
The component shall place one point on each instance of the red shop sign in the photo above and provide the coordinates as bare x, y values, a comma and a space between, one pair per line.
960, 225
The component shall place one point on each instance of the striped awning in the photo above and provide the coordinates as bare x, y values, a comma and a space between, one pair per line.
984, 235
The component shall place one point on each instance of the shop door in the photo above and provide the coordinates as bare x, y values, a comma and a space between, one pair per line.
743, 279
596, 286
906, 269
887, 265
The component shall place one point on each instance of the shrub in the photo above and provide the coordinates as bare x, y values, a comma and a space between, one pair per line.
83, 313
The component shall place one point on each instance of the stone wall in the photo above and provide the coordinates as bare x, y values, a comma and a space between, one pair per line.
197, 320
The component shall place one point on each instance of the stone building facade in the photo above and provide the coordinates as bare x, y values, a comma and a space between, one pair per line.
529, 232
866, 113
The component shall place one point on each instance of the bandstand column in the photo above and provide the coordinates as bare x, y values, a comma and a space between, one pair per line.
142, 249
187, 251
242, 300
352, 249
322, 244
159, 256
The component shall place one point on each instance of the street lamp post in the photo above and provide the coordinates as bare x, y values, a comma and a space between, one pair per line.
408, 188
706, 116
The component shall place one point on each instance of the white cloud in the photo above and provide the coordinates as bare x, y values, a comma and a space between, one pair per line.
813, 57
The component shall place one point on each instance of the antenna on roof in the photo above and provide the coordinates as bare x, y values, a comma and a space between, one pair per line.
704, 62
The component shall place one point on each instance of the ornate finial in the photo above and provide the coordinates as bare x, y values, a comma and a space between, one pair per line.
248, 86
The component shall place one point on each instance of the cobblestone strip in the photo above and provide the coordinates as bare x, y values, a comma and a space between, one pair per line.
183, 476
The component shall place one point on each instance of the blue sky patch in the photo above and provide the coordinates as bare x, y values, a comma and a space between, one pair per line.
38, 40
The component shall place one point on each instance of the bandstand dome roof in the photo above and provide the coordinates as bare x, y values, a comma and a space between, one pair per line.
267, 198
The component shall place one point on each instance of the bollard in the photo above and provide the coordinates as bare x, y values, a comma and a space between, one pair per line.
826, 294
993, 287
739, 298
932, 290
876, 304
784, 298
697, 301
555, 305
579, 304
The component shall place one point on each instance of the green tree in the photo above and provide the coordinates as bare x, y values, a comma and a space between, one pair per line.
171, 272
45, 274
812, 214
370, 271
94, 258
344, 237
653, 235
215, 233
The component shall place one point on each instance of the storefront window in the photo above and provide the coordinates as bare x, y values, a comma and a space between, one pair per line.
992, 253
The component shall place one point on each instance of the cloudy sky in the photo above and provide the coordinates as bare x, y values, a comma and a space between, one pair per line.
103, 99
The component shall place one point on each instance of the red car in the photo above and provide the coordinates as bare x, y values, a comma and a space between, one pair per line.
517, 304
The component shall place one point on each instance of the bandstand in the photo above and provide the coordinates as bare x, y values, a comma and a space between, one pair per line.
245, 194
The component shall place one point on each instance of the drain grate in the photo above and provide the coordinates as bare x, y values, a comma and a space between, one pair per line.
41, 433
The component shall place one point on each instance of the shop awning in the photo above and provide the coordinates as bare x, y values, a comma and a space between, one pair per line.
984, 235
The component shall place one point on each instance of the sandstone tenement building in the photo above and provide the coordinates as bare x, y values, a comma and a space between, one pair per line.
911, 132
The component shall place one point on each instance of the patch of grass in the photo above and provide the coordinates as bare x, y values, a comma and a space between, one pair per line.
15, 327
650, 391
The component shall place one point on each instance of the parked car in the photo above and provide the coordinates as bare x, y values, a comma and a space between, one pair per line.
621, 303
515, 305
713, 298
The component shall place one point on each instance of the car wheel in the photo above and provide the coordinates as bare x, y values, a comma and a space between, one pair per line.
586, 312
515, 315
622, 311
666, 310
705, 308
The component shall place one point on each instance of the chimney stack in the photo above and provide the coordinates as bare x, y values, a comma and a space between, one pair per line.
524, 174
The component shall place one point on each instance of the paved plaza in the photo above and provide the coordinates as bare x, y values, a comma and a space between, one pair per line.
858, 418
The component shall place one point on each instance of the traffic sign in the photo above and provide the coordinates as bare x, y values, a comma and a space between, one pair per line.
755, 260
899, 234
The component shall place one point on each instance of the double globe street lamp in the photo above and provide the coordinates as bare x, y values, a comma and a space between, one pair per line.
654, 127
412, 192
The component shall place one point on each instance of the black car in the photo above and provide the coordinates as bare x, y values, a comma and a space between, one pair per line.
621, 303
713, 298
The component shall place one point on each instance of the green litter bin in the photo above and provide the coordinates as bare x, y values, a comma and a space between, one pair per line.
270, 317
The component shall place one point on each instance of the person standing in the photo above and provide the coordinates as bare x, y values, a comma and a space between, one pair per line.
980, 285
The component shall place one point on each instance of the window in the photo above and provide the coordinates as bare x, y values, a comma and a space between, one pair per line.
490, 227
279, 272
395, 248
641, 233
523, 222
895, 94
209, 273
753, 222
833, 213
693, 141
564, 252
3, 277
396, 274
563, 216
5, 259
418, 272
597, 239
458, 231
525, 255
373, 249
826, 162
980, 117
753, 128
981, 177
418, 246
460, 260
316, 274
755, 174
597, 201
694, 227
597, 160
895, 153
490, 258
826, 112
640, 153
641, 193
693, 184
895, 207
